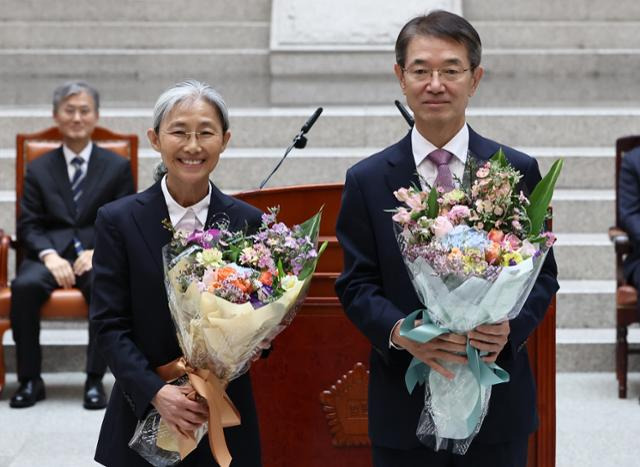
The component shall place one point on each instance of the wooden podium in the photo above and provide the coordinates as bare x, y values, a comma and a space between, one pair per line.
311, 392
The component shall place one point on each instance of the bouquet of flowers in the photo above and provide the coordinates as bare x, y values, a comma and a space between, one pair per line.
229, 294
473, 255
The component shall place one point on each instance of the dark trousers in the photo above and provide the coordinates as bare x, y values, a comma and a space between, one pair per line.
29, 291
511, 454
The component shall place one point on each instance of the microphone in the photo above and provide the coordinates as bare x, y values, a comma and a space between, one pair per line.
407, 116
299, 141
309, 123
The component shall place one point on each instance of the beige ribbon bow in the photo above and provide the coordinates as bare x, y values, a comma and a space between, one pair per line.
222, 412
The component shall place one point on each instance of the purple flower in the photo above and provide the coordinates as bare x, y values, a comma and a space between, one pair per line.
204, 238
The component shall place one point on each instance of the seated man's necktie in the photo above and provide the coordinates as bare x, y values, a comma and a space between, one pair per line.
77, 182
444, 179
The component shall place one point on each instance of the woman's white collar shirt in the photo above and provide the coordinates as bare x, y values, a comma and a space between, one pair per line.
187, 218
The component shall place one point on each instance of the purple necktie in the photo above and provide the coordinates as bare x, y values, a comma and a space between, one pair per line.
441, 159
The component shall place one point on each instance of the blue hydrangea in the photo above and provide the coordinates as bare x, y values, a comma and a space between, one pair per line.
464, 237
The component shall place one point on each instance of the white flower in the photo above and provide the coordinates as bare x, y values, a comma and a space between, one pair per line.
288, 282
210, 257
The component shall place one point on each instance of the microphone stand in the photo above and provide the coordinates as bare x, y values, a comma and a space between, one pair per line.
405, 113
299, 142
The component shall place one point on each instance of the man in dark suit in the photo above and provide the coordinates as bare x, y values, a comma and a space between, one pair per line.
63, 190
629, 212
438, 68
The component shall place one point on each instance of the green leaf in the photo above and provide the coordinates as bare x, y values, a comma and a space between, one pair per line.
310, 266
432, 204
541, 197
500, 158
311, 226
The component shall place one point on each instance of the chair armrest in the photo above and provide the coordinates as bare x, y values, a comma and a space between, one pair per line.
5, 243
620, 240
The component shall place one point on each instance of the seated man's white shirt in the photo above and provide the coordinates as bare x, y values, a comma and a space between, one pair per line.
69, 155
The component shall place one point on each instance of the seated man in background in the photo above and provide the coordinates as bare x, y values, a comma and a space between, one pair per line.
629, 213
63, 190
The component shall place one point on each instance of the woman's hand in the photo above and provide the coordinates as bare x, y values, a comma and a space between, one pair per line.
178, 411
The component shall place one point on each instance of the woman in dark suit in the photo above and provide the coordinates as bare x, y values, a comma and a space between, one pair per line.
129, 310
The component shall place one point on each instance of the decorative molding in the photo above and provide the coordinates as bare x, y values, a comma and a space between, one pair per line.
345, 407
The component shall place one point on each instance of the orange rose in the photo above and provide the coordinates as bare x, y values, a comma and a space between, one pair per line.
496, 235
492, 254
266, 278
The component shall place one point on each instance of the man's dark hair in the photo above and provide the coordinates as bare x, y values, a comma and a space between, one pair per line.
443, 25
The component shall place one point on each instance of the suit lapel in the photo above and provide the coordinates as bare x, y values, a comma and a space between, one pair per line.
60, 174
148, 215
221, 210
402, 168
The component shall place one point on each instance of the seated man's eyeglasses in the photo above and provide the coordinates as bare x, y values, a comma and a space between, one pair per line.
422, 74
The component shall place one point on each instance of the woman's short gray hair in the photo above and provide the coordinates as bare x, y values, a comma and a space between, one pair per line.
180, 92
189, 90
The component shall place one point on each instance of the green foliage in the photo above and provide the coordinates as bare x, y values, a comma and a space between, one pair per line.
541, 197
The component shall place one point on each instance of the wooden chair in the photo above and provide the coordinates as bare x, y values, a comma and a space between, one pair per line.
63, 303
311, 393
626, 294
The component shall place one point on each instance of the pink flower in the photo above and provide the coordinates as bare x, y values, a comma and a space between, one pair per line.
402, 216
458, 212
402, 194
550, 238
482, 172
511, 242
415, 202
527, 249
442, 226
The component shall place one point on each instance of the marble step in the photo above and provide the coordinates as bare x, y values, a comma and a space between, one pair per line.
370, 126
585, 169
557, 33
139, 10
580, 256
513, 77
584, 256
573, 212
574, 10
586, 304
133, 76
576, 350
135, 34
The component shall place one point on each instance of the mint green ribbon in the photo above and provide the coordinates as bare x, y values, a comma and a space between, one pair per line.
418, 371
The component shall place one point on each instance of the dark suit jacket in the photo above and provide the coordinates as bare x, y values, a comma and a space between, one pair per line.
131, 318
376, 292
629, 209
49, 218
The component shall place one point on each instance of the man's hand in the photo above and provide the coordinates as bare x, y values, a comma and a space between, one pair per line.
60, 269
82, 263
178, 411
490, 338
443, 348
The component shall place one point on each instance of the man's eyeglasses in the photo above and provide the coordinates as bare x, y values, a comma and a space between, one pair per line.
184, 136
421, 74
